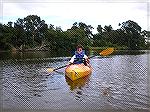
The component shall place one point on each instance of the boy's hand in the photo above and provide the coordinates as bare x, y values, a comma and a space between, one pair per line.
69, 63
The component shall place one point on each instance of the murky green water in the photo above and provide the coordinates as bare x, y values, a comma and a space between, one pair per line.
117, 82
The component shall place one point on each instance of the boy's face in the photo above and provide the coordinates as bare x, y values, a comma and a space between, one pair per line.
79, 50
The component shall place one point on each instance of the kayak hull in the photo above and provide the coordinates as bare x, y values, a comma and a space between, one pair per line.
77, 71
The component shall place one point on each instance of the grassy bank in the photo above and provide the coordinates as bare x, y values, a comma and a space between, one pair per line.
105, 47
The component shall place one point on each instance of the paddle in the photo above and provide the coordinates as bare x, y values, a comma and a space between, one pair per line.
51, 69
105, 52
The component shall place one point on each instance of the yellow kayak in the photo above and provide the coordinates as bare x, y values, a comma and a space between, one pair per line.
77, 71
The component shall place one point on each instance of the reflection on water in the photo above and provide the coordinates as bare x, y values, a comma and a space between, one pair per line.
77, 83
117, 82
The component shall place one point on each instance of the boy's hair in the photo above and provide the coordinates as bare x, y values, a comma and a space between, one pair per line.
79, 46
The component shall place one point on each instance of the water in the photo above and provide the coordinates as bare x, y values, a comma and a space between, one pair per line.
119, 82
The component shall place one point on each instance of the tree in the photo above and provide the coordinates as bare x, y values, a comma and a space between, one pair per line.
6, 36
75, 26
107, 28
99, 29
20, 37
87, 29
82, 33
2, 43
34, 29
146, 34
10, 24
51, 27
135, 40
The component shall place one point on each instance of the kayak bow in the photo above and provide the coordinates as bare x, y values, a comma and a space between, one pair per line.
77, 71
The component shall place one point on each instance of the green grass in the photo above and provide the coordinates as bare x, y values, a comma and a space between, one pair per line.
105, 47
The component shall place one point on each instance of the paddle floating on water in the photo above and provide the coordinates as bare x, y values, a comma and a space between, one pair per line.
105, 52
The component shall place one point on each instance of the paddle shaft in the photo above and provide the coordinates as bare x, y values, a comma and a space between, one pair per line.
89, 57
60, 67
66, 65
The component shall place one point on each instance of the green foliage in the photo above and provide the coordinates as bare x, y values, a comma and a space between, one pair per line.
135, 40
129, 36
32, 32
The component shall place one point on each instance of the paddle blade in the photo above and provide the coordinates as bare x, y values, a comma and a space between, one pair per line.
107, 51
50, 69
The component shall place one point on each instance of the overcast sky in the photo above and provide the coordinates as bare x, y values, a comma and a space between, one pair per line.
64, 12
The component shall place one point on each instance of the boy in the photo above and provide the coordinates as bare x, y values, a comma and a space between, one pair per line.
79, 57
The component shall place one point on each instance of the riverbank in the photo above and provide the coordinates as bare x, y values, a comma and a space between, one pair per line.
116, 48
105, 47
52, 53
44, 48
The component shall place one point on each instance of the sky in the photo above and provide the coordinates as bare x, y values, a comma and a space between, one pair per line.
64, 13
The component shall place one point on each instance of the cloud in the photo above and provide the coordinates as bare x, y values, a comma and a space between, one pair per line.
66, 13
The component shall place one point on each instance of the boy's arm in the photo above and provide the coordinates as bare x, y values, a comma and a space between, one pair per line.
72, 60
85, 57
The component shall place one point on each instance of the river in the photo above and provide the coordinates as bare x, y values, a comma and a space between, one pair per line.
118, 82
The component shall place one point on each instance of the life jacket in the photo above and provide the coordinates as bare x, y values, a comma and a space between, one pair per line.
79, 57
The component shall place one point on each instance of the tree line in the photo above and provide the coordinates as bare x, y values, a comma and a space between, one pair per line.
32, 33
